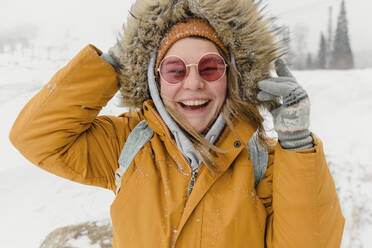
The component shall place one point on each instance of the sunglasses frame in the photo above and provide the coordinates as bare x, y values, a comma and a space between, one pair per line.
188, 68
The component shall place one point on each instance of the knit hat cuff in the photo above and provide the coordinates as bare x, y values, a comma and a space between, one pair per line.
191, 27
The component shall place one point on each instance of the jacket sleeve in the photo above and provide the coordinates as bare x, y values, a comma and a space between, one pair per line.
299, 194
59, 131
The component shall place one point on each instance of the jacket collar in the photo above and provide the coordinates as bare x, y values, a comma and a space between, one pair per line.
227, 140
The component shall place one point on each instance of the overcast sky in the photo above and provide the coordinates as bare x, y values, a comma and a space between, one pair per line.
97, 21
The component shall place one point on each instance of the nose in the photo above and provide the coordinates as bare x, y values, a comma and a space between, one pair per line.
193, 80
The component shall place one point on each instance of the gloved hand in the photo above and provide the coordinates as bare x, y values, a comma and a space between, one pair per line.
113, 57
292, 117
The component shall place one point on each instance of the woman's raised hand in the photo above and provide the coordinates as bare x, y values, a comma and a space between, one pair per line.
292, 117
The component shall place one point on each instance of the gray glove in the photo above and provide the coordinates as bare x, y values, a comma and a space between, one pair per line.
292, 117
113, 57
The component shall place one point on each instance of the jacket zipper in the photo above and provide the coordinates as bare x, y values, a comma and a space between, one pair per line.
194, 175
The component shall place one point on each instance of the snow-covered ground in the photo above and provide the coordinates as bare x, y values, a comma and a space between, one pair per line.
34, 202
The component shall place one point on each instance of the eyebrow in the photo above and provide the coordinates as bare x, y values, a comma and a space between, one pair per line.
208, 59
174, 62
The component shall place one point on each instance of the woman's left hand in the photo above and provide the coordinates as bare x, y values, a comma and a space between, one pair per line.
292, 117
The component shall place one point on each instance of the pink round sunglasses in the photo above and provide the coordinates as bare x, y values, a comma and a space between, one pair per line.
211, 67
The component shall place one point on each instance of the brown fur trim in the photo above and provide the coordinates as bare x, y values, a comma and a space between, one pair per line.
239, 24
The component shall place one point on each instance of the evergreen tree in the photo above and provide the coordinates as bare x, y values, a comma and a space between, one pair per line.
342, 56
322, 53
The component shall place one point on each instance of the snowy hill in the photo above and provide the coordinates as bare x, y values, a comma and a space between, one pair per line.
34, 202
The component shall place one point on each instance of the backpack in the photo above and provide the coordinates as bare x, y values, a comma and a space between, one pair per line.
142, 133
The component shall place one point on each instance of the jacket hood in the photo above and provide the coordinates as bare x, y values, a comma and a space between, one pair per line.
239, 24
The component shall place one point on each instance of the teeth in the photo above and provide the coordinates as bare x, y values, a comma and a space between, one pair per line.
194, 102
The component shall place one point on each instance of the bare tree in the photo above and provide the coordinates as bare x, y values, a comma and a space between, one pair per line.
285, 39
300, 33
310, 65
322, 52
329, 38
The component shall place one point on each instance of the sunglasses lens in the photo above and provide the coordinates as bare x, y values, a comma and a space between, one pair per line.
211, 67
173, 70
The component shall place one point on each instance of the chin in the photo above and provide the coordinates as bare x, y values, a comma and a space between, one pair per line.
199, 127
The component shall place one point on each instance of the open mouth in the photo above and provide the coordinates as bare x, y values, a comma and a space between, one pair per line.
194, 105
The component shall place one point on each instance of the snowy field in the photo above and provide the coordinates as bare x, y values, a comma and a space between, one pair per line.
33, 202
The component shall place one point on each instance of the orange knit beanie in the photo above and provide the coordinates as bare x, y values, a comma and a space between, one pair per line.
191, 27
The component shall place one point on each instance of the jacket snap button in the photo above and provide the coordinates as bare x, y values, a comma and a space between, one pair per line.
237, 144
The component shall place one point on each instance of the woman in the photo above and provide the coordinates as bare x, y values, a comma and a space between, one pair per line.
194, 71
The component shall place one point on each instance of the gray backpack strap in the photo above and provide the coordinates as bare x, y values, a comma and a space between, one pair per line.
259, 157
142, 133
139, 136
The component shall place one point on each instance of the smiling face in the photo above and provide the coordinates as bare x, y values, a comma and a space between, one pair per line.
194, 99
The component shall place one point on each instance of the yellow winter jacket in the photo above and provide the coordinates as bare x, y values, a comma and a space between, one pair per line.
295, 204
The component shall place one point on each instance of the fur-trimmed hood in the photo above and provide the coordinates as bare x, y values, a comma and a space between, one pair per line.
239, 24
